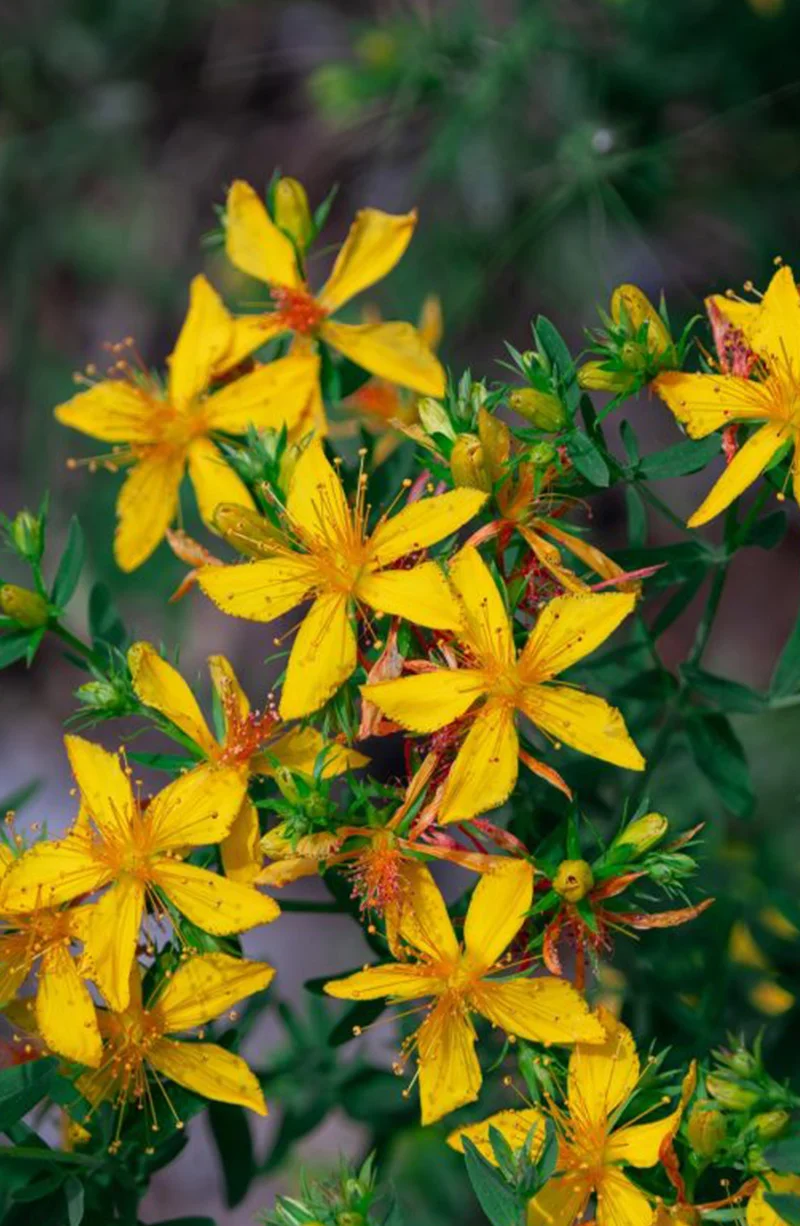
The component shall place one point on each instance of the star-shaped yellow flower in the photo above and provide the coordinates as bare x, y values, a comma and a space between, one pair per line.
326, 553
160, 430
485, 770
462, 981
137, 851
770, 401
376, 241
592, 1150
253, 743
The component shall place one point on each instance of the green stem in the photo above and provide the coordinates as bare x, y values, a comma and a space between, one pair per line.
709, 613
73, 642
653, 758
659, 505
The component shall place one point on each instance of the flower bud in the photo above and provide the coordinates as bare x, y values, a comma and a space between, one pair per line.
350, 1218
595, 377
286, 785
541, 409
27, 536
245, 530
573, 880
100, 695
706, 1129
639, 310
467, 463
643, 833
541, 455
28, 609
731, 1094
292, 213
433, 417
495, 438
770, 1124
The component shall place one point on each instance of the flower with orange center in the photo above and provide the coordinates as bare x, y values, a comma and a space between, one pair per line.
159, 430
593, 1149
394, 351
252, 743
462, 980
326, 552
506, 684
137, 852
138, 1051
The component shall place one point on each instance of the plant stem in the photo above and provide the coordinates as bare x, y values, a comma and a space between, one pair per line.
74, 643
659, 505
709, 614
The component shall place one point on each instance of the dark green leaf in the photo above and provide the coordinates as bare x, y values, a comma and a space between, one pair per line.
21, 1087
637, 518
728, 695
678, 461
719, 756
105, 624
629, 442
554, 347
784, 1155
73, 1193
587, 458
231, 1130
767, 532
786, 677
14, 646
70, 566
786, 1206
361, 1014
499, 1202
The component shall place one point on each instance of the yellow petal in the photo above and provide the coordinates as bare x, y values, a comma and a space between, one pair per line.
254, 243
423, 523
396, 981
259, 591
316, 504
214, 903
213, 480
207, 985
160, 686
561, 1202
209, 1070
323, 656
203, 340
548, 555
105, 789
431, 323
603, 1075
249, 332
485, 770
759, 1213
497, 910
300, 748
228, 690
703, 403
65, 1013
584, 721
770, 998
197, 808
620, 1203
146, 506
640, 310
513, 1125
427, 701
639, 1144
449, 1072
241, 847
49, 874
16, 962
374, 244
423, 922
113, 411
486, 629
271, 397
742, 315
569, 628
421, 595
775, 334
589, 554
745, 467
393, 351
544, 1010
111, 934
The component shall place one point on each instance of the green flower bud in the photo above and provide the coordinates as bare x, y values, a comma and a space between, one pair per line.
643, 833
731, 1094
433, 417
287, 786
706, 1129
573, 880
542, 454
541, 409
245, 530
28, 609
595, 377
292, 213
770, 1124
27, 536
100, 695
467, 463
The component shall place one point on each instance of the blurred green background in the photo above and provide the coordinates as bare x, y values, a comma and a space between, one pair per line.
554, 148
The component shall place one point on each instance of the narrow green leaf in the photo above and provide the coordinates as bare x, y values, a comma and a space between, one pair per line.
637, 518
105, 624
678, 461
677, 604
786, 1206
231, 1131
767, 532
14, 646
719, 756
784, 1155
786, 677
70, 566
499, 1202
730, 696
588, 459
21, 1087
73, 1193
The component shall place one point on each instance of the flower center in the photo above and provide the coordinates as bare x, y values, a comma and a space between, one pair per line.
298, 309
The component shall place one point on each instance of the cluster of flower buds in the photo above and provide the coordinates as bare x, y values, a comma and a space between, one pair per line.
348, 1198
632, 347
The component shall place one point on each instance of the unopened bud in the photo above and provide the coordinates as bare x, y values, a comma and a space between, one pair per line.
495, 438
541, 455
467, 463
101, 695
573, 880
770, 1124
731, 1094
287, 785
643, 833
27, 536
596, 377
433, 417
743, 1062
350, 1218
638, 309
706, 1129
28, 609
541, 409
292, 213
245, 530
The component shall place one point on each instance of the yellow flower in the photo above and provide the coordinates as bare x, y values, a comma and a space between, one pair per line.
253, 743
759, 1213
340, 566
704, 403
135, 850
485, 770
160, 430
65, 1013
592, 1150
136, 1042
461, 980
393, 351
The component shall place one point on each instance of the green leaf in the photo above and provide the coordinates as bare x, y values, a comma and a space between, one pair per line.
70, 566
767, 532
719, 755
362, 1013
231, 1131
677, 604
14, 646
786, 677
629, 442
22, 1087
554, 347
105, 624
728, 695
783, 1156
637, 518
375, 1097
786, 1206
73, 1193
499, 1202
678, 461
588, 459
